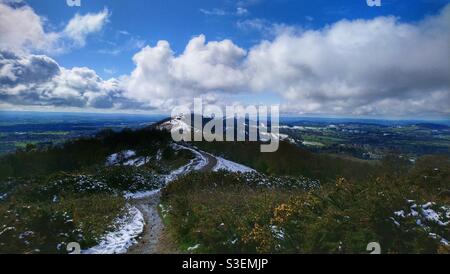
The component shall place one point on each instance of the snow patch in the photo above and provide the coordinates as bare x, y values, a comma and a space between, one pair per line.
426, 216
178, 124
141, 195
223, 164
277, 232
198, 163
137, 162
117, 158
130, 227
193, 248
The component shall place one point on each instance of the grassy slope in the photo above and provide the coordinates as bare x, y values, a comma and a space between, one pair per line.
229, 213
54, 196
290, 160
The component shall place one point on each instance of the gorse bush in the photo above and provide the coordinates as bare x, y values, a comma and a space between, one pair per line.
45, 213
42, 227
67, 193
223, 213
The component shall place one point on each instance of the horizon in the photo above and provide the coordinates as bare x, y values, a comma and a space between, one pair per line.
283, 118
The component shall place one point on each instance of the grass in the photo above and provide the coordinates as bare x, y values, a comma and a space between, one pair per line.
289, 160
232, 213
355, 159
46, 227
326, 140
50, 197
42, 214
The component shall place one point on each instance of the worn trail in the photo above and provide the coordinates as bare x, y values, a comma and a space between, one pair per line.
155, 239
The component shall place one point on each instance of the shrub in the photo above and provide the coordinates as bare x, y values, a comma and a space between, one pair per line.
249, 213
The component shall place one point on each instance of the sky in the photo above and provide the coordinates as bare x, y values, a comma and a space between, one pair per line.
324, 58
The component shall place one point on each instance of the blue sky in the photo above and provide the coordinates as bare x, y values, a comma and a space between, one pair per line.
323, 57
147, 21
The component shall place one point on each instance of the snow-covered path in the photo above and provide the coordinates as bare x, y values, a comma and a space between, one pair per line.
147, 222
154, 239
149, 241
130, 227
224, 164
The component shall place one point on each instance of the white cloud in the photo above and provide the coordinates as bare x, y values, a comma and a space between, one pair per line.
215, 12
160, 77
258, 24
267, 29
241, 11
80, 26
360, 67
37, 80
378, 66
22, 30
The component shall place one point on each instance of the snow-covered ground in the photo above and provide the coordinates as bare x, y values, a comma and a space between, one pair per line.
195, 164
177, 124
116, 158
199, 162
139, 161
126, 158
223, 164
172, 176
424, 216
141, 195
130, 226
193, 248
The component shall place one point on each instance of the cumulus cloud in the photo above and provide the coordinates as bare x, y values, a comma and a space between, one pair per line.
380, 66
37, 80
360, 67
162, 78
22, 30
30, 79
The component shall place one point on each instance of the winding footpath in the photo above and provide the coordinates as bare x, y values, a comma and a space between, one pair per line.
155, 238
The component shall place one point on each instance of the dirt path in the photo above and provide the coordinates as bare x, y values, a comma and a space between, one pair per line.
156, 239
148, 242
212, 162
